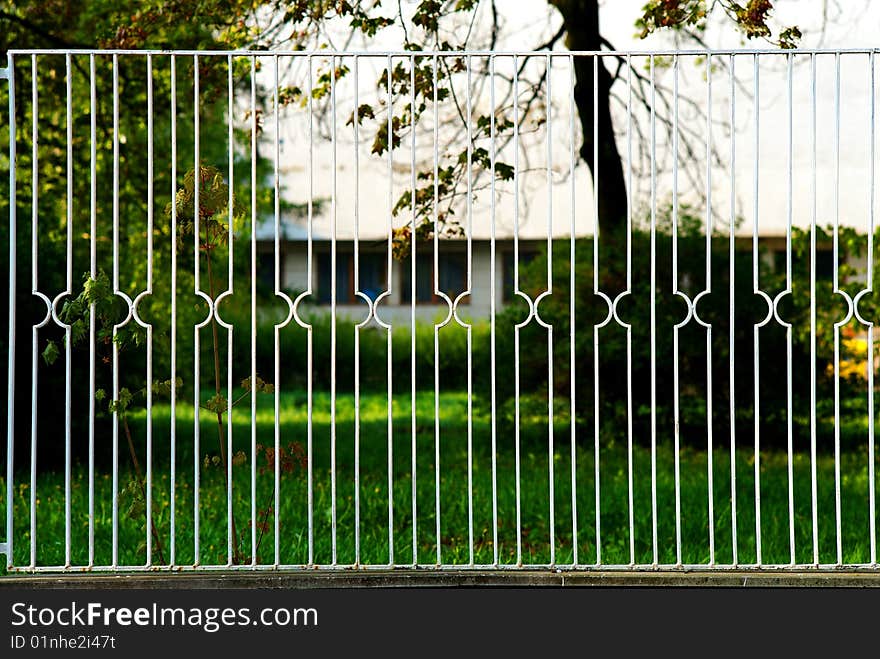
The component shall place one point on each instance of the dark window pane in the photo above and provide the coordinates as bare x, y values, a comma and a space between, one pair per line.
507, 291
343, 264
343, 278
453, 274
266, 271
424, 282
372, 273
324, 278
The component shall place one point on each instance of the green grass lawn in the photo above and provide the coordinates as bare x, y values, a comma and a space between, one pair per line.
454, 540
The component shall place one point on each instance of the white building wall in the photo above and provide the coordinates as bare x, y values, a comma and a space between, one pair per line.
295, 269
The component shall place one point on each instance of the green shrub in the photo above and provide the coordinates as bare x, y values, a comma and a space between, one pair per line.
652, 354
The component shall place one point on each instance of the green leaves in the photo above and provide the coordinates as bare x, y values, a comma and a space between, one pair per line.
163, 388
789, 37
484, 125
370, 26
98, 289
327, 79
671, 14
751, 18
365, 110
217, 404
51, 352
427, 15
131, 498
260, 386
380, 142
288, 95
126, 397
401, 242
503, 171
213, 203
110, 311
120, 405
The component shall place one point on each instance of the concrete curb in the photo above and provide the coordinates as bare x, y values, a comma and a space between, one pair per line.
446, 579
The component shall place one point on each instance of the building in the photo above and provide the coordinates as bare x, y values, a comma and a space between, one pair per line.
371, 276
450, 281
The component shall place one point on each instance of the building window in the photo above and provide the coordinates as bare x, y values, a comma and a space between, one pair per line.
452, 268
372, 277
373, 274
266, 272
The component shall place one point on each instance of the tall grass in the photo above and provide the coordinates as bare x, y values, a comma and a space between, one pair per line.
337, 441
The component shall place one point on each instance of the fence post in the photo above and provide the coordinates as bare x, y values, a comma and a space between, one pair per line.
6, 547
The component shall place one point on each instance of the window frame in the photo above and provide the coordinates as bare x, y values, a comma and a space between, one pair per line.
351, 297
434, 300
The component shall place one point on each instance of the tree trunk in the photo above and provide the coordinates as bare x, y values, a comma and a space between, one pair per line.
581, 18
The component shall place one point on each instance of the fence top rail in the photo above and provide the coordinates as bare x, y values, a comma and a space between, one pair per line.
446, 53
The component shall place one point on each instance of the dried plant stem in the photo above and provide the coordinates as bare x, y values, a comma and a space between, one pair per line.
140, 478
221, 435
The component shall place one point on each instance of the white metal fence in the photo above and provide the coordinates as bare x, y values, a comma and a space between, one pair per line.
617, 418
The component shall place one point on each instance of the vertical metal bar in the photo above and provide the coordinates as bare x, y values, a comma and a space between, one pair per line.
277, 286
437, 291
629, 405
549, 328
357, 328
357, 345
675, 291
813, 478
149, 327
756, 289
35, 192
333, 204
116, 292
93, 272
309, 346
515, 284
413, 295
470, 232
230, 553
254, 310
173, 429
197, 177
67, 336
731, 314
388, 328
709, 228
653, 296
836, 287
787, 325
872, 521
10, 382
493, 302
572, 110
596, 383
